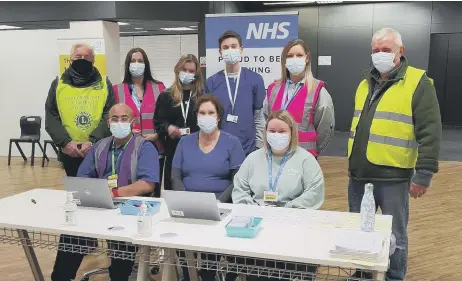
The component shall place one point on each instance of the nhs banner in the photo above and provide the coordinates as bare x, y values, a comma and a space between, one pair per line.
264, 35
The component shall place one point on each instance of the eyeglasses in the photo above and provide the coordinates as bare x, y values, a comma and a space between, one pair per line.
124, 119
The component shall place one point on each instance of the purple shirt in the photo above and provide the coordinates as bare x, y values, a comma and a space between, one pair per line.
250, 97
147, 169
208, 172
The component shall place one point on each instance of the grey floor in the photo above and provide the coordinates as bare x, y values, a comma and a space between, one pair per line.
451, 148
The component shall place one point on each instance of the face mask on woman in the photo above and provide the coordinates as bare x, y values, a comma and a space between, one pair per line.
186, 77
296, 65
278, 141
136, 69
207, 124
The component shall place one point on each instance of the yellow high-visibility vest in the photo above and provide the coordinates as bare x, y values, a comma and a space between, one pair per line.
391, 138
81, 109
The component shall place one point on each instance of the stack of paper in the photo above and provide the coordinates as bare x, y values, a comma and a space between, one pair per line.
352, 244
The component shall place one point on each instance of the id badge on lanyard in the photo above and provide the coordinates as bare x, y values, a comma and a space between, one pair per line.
231, 117
271, 196
185, 130
112, 180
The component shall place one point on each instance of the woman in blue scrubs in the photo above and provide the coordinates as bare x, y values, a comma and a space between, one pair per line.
206, 161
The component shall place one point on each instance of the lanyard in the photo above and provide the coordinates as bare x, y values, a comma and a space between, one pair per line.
185, 113
114, 161
285, 99
135, 97
272, 186
231, 100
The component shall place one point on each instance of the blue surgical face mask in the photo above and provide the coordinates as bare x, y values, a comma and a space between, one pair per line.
296, 65
186, 77
120, 130
231, 56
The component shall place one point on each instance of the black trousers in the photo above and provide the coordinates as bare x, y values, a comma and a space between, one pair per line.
71, 164
72, 250
159, 186
170, 148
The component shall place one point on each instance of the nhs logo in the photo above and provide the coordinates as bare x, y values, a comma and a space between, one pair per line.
274, 30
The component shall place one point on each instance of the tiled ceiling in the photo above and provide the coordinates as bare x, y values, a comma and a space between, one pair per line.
134, 27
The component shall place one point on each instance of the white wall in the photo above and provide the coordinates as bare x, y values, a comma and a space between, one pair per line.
163, 52
29, 63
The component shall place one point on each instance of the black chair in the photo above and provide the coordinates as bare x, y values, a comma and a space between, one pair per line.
30, 133
55, 148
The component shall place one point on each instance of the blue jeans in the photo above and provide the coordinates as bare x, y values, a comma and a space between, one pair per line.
393, 199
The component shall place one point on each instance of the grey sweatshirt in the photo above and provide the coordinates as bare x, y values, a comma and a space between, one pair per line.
301, 184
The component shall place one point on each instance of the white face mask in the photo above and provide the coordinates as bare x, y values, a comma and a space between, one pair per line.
186, 77
296, 65
383, 62
231, 56
278, 141
120, 130
136, 69
207, 124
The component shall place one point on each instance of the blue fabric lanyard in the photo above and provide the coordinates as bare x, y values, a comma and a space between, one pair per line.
272, 186
285, 99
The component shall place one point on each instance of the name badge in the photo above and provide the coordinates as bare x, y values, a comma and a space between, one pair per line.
185, 131
112, 181
270, 197
231, 118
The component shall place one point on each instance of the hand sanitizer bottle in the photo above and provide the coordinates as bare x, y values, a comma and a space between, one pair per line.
70, 209
368, 209
144, 221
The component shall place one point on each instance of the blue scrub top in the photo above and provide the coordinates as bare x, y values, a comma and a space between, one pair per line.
147, 169
250, 97
208, 172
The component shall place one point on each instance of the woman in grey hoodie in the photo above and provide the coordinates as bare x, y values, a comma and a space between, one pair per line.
295, 179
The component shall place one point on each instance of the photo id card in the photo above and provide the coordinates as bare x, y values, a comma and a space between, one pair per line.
232, 118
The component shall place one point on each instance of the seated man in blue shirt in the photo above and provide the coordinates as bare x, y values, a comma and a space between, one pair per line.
130, 163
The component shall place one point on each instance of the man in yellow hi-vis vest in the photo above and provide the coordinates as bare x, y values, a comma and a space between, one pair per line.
394, 138
77, 107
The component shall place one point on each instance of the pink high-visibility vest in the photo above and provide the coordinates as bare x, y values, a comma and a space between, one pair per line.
144, 118
302, 108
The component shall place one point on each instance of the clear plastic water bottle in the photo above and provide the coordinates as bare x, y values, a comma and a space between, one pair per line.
144, 221
368, 209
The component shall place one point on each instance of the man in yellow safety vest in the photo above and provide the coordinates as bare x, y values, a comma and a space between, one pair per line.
394, 138
77, 107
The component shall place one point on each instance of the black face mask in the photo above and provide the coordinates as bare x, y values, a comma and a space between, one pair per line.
82, 66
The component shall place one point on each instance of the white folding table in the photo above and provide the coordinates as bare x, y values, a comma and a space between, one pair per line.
287, 235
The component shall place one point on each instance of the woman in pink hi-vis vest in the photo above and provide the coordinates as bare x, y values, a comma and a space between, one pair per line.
304, 97
139, 90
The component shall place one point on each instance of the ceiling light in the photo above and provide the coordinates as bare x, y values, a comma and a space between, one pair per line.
138, 28
6, 27
328, 2
177, 29
193, 26
131, 32
123, 23
289, 3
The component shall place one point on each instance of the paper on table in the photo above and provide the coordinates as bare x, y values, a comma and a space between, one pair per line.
367, 246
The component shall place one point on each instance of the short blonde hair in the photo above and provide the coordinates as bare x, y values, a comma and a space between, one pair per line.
285, 117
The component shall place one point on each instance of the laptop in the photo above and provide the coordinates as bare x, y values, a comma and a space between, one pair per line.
91, 192
194, 205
